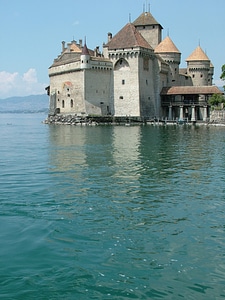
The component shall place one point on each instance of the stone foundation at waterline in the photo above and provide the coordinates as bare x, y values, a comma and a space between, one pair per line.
217, 117
69, 119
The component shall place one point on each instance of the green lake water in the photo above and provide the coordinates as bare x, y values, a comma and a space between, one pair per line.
111, 212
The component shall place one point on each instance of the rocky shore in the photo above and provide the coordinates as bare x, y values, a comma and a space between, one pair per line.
217, 118
92, 120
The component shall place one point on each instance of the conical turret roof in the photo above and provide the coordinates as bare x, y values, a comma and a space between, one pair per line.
85, 49
128, 37
198, 55
146, 18
166, 46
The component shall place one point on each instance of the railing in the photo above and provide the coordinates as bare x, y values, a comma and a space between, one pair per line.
183, 103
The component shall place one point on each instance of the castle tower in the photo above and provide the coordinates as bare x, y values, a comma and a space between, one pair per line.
149, 28
211, 73
133, 76
171, 55
198, 67
85, 58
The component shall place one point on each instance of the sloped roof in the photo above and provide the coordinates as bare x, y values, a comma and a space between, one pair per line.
128, 37
75, 48
191, 90
145, 19
85, 50
166, 46
198, 55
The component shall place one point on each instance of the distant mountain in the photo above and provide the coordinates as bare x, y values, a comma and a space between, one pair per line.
27, 104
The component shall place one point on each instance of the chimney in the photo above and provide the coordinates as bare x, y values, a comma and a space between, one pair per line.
109, 36
63, 46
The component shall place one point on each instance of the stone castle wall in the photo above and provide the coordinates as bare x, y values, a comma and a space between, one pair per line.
217, 116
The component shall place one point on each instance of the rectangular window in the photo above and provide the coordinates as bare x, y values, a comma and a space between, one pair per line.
123, 81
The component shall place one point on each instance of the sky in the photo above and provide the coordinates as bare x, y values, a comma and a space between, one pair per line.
31, 33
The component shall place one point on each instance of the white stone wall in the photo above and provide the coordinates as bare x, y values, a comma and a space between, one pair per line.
126, 84
98, 89
66, 92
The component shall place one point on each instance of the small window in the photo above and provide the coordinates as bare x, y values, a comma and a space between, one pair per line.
201, 75
146, 82
193, 76
63, 103
121, 97
71, 103
123, 81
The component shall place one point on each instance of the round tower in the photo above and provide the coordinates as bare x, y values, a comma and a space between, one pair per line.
198, 67
85, 58
211, 73
171, 55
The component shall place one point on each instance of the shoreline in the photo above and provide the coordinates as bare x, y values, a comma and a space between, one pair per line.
75, 120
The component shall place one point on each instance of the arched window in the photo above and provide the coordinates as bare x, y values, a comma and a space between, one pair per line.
122, 64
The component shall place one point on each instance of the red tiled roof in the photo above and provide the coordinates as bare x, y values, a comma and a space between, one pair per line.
198, 54
166, 46
146, 19
191, 90
128, 37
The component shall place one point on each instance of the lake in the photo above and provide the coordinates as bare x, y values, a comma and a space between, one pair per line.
111, 212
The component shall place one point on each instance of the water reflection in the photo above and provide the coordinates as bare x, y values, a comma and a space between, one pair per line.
145, 206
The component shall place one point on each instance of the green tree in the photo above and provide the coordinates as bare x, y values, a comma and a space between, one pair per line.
216, 100
223, 74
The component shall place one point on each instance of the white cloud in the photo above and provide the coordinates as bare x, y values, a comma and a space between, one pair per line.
15, 84
30, 76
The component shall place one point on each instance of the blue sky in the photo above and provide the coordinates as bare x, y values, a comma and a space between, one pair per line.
31, 33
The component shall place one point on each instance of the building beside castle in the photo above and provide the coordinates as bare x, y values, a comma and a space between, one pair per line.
137, 74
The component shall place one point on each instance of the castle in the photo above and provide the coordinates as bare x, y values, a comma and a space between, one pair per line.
137, 75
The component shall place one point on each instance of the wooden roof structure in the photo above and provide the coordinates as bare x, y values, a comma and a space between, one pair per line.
190, 90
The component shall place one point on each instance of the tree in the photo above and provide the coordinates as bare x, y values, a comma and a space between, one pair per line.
223, 74
216, 100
